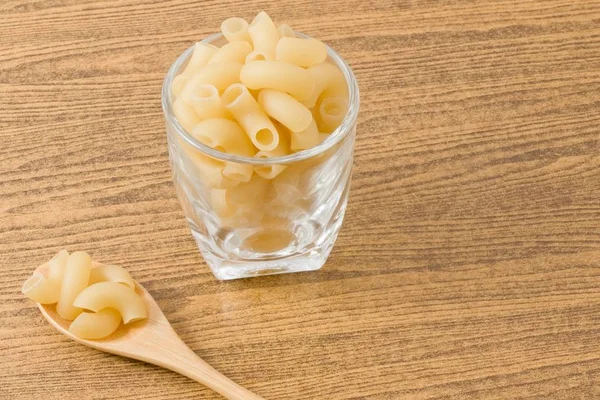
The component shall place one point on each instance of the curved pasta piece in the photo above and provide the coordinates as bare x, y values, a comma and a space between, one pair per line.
285, 109
40, 289
224, 135
232, 52
102, 295
285, 30
278, 75
178, 83
306, 138
300, 51
76, 278
264, 35
332, 111
255, 56
272, 170
235, 29
96, 325
200, 56
220, 75
111, 273
57, 265
185, 114
206, 102
245, 109
328, 81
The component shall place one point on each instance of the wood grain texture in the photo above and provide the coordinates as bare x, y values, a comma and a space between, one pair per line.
469, 261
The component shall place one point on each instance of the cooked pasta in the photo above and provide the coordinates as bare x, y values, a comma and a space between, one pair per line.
277, 75
110, 273
75, 280
300, 51
285, 109
251, 117
232, 52
96, 325
264, 35
112, 295
235, 29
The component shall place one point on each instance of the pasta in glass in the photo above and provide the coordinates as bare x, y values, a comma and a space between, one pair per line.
300, 51
277, 75
264, 35
245, 109
282, 95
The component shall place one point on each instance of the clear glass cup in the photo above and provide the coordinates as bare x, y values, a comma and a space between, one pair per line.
263, 226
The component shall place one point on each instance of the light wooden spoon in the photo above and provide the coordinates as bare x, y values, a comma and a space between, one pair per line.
154, 341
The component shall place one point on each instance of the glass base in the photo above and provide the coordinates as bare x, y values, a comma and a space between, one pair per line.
238, 267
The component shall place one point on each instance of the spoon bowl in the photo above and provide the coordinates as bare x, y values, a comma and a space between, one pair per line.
154, 341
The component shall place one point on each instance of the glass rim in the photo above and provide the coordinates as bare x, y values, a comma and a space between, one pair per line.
335, 137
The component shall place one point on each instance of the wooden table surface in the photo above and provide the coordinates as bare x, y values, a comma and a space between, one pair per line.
468, 265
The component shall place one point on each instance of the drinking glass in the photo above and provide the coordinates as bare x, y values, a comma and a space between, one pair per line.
265, 226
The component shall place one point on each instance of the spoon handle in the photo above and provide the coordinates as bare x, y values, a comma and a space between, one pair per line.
181, 359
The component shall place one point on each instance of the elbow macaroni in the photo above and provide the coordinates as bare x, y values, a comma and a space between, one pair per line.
266, 93
107, 290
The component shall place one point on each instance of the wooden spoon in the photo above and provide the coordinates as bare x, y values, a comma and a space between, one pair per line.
154, 341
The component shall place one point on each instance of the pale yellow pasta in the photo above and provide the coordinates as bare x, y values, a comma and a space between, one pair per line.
210, 172
57, 265
306, 138
110, 273
112, 295
41, 290
220, 75
332, 111
232, 52
185, 114
328, 80
96, 325
272, 170
255, 56
206, 102
237, 171
235, 29
249, 193
300, 51
75, 279
277, 75
224, 135
218, 199
323, 136
178, 83
202, 53
285, 30
264, 35
285, 109
257, 125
